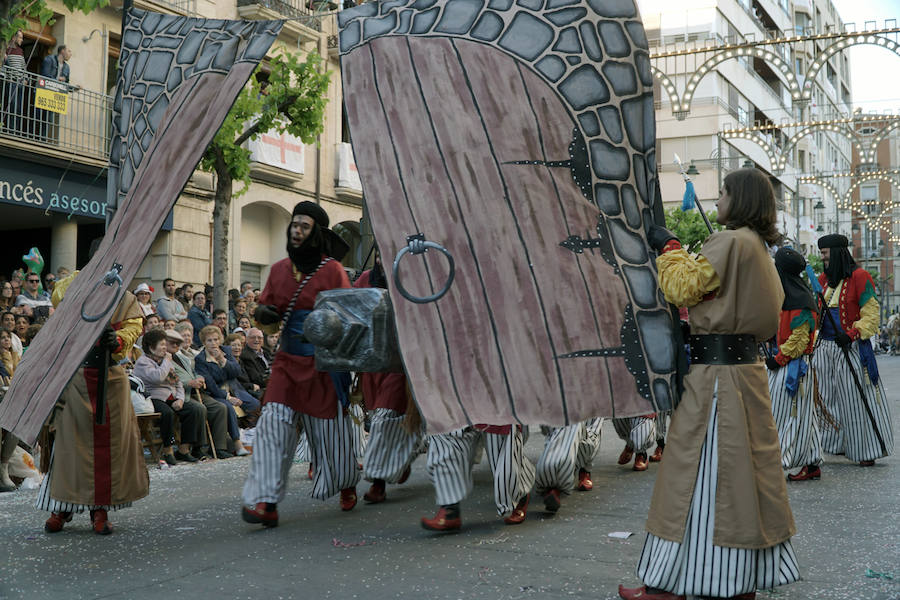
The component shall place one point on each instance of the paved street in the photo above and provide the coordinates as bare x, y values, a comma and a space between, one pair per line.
186, 540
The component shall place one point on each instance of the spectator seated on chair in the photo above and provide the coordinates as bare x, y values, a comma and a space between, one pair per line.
256, 359
156, 370
220, 372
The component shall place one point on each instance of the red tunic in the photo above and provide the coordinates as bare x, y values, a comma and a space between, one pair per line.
790, 320
855, 292
382, 390
295, 381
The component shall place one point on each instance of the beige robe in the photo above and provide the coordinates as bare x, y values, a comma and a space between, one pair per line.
752, 509
99, 465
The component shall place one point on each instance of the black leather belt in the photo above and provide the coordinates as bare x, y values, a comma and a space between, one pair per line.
94, 358
723, 349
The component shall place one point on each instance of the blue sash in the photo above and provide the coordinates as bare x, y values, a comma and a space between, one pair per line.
867, 358
796, 369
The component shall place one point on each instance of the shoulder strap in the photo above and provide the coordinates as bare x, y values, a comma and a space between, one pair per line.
290, 309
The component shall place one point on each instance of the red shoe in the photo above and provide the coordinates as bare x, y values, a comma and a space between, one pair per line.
348, 498
518, 513
641, 593
584, 481
867, 463
626, 455
804, 474
441, 522
405, 475
56, 521
101, 525
376, 492
260, 515
552, 501
657, 454
312, 471
640, 462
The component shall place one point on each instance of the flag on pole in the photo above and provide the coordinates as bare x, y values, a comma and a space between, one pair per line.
687, 203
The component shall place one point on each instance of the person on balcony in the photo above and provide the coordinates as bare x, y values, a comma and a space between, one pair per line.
15, 80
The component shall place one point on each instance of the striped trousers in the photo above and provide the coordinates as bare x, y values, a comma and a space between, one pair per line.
856, 438
639, 433
451, 456
46, 502
391, 448
566, 450
698, 568
662, 426
331, 448
798, 431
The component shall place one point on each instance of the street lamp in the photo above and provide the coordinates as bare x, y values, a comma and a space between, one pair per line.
692, 169
748, 164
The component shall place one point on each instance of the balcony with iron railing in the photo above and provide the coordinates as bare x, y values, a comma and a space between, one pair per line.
308, 12
82, 128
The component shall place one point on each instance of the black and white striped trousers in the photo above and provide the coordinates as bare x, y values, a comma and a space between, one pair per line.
566, 450
798, 431
46, 502
331, 447
698, 568
856, 438
391, 448
662, 426
639, 433
451, 456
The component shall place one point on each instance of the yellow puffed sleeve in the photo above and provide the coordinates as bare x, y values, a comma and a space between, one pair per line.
59, 290
128, 333
685, 280
869, 319
796, 342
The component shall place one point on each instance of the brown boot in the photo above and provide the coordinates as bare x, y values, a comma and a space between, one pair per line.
640, 462
446, 519
56, 521
102, 525
376, 493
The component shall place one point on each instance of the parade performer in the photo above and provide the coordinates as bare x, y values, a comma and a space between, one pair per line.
391, 447
638, 433
296, 391
450, 460
720, 523
844, 361
791, 385
96, 467
662, 427
565, 464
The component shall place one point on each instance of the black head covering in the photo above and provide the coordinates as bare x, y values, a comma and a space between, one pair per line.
377, 278
320, 240
840, 263
797, 295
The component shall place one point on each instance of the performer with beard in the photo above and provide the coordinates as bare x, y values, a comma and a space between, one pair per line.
395, 437
297, 393
850, 297
790, 382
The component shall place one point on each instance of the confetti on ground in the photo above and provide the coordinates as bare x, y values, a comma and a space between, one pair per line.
339, 544
876, 575
622, 535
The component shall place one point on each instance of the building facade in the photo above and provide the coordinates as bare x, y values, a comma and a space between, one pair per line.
60, 159
727, 88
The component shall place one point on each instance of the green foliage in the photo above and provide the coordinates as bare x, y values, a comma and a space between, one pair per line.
13, 13
816, 262
294, 103
689, 226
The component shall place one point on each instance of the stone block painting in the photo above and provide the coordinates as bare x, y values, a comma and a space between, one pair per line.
521, 138
178, 78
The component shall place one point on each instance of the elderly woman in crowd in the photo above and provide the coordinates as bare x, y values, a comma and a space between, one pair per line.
156, 370
220, 371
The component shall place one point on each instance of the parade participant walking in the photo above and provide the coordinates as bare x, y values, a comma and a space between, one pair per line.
450, 460
720, 523
296, 391
638, 433
94, 466
393, 445
844, 361
790, 382
566, 461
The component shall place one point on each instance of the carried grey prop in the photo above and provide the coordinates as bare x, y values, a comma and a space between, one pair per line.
354, 330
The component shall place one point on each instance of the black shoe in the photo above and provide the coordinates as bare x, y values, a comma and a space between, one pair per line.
224, 454
170, 459
185, 457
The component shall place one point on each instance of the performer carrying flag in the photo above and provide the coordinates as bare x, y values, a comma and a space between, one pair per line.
790, 382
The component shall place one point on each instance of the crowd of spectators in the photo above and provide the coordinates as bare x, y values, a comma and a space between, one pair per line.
204, 369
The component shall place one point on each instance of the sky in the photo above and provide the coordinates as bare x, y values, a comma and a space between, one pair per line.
874, 72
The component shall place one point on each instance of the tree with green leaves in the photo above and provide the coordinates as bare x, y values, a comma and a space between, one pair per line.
689, 226
15, 11
293, 101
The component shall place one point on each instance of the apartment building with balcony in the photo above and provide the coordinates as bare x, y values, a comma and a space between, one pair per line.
746, 91
53, 166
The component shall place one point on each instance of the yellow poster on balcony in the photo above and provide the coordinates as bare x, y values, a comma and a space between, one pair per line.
51, 95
